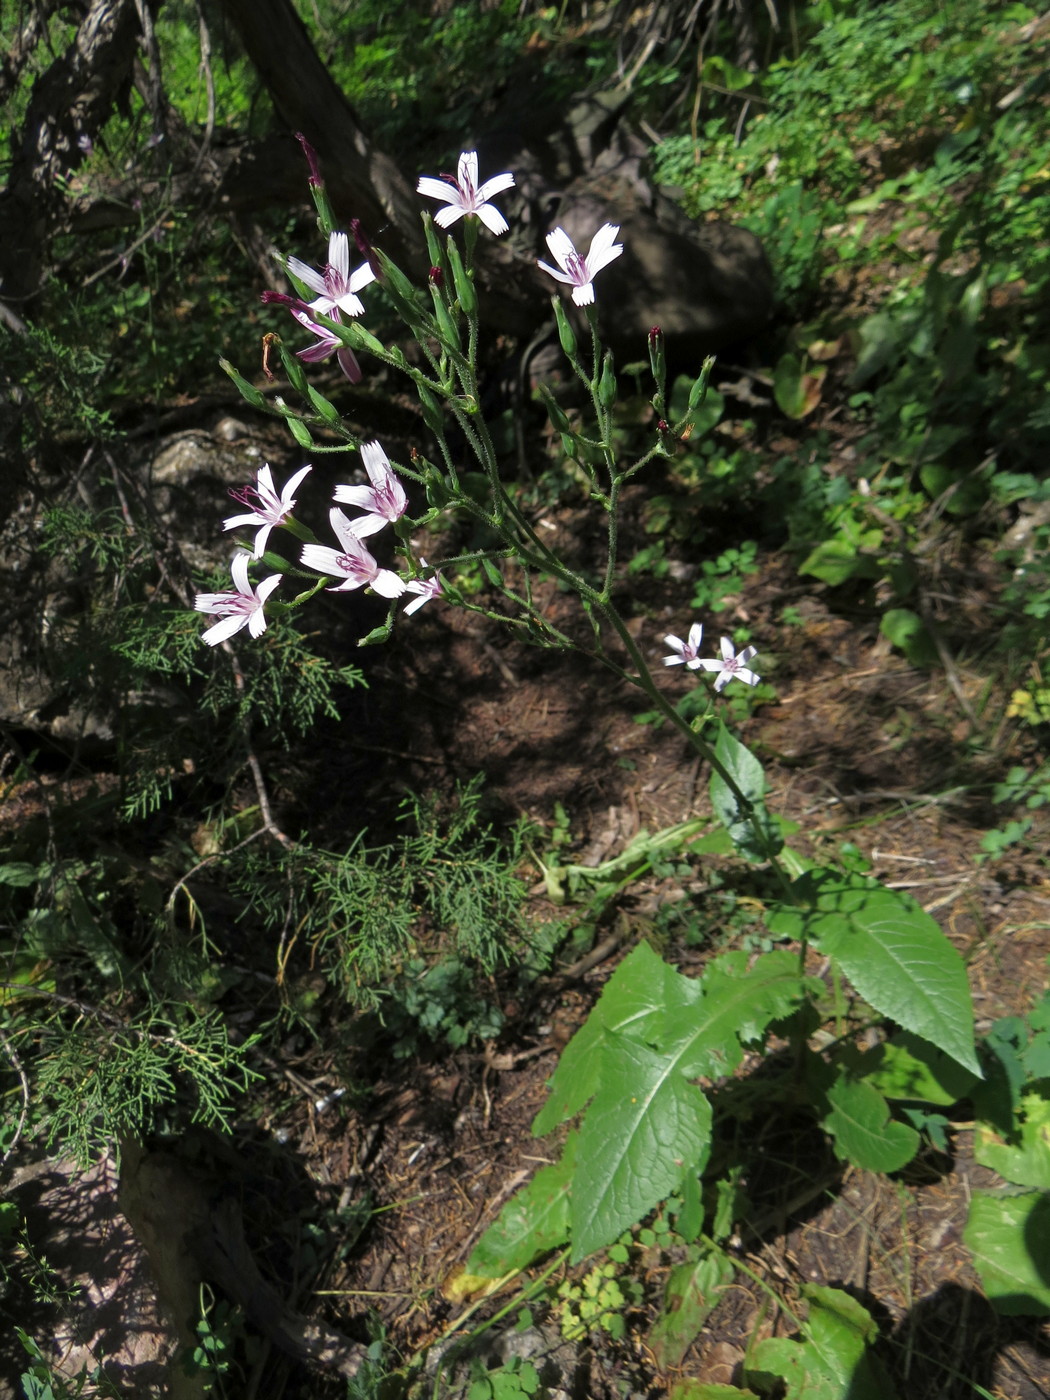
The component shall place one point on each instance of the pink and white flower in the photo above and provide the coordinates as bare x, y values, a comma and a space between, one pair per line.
686, 653
427, 588
732, 667
578, 271
327, 342
464, 195
265, 508
353, 563
241, 608
385, 500
337, 286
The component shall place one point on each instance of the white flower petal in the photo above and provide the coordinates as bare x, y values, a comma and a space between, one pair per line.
388, 584
468, 170
236, 520
225, 629
339, 255
434, 188
239, 570
492, 219
360, 496
323, 558
369, 524
314, 280
554, 271
561, 246
266, 588
293, 481
496, 184
445, 218
603, 248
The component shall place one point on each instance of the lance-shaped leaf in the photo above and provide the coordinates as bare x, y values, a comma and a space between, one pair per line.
645, 1128
738, 1004
754, 834
635, 1001
891, 950
532, 1222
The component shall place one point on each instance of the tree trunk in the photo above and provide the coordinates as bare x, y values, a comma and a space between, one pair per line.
69, 103
308, 99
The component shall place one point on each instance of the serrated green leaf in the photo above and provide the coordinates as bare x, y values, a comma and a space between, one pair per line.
692, 1291
1025, 1161
864, 1133
754, 834
532, 1222
645, 1128
832, 1362
891, 950
634, 1001
737, 1005
1009, 1237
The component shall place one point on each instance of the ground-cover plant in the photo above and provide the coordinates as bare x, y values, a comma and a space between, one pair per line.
646, 1126
895, 165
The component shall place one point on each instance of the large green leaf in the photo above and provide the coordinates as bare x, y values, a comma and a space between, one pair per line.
864, 1133
891, 950
832, 1361
738, 1004
644, 1129
532, 1222
634, 1001
1010, 1240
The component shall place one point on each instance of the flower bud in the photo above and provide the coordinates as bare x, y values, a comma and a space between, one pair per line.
465, 293
656, 354
698, 392
311, 159
431, 410
565, 331
607, 383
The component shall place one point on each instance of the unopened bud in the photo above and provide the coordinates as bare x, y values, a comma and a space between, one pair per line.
656, 357
698, 392
436, 275
607, 383
311, 160
565, 331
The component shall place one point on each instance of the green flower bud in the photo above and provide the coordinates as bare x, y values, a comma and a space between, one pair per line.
465, 292
565, 331
607, 383
698, 392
